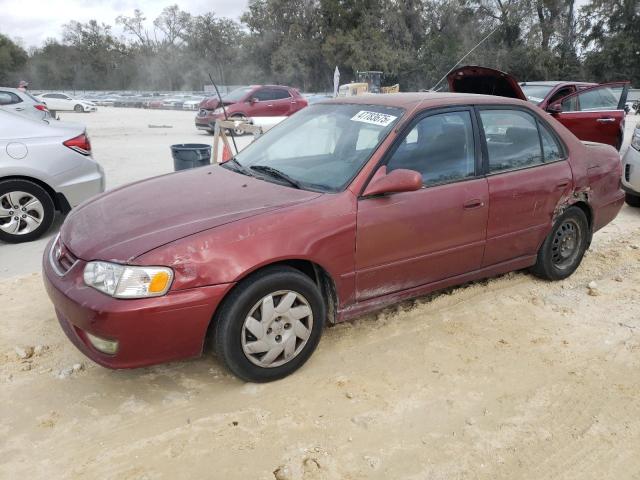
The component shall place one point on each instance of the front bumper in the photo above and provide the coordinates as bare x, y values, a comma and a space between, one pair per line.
148, 331
631, 171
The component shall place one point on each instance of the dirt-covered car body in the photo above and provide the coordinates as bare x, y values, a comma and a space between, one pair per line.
365, 248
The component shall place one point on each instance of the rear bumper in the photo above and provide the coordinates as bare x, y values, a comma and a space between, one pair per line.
148, 331
82, 183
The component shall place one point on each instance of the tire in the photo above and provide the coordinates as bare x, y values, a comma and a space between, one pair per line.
632, 200
563, 249
78, 109
236, 132
235, 342
31, 223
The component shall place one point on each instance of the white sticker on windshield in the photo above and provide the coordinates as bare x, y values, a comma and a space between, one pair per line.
374, 118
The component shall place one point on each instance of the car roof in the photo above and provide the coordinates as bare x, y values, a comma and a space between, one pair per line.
409, 100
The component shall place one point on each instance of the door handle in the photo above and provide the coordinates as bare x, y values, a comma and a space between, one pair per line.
270, 105
19, 109
471, 204
606, 120
562, 184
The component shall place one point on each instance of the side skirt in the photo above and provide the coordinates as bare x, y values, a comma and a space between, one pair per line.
378, 303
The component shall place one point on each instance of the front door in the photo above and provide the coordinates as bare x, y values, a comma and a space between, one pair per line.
597, 113
415, 238
527, 174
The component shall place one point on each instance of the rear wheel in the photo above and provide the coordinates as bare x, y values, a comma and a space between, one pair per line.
563, 249
632, 200
78, 108
26, 211
269, 326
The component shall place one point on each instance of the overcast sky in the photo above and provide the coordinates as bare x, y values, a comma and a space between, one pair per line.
34, 21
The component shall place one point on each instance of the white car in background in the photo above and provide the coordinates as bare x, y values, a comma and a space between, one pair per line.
61, 102
23, 103
631, 170
44, 166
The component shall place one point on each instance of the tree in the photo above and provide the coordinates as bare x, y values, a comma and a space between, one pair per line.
12, 59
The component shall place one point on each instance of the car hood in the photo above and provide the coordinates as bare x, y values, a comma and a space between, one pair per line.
122, 224
212, 103
484, 81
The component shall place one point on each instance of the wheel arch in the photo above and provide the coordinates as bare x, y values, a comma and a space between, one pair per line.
59, 200
319, 275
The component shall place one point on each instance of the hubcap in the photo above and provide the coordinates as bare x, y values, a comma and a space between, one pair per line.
277, 329
566, 243
20, 213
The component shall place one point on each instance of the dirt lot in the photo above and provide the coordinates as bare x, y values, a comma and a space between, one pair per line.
511, 378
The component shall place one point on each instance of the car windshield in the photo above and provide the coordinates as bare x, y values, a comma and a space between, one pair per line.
536, 93
322, 147
237, 94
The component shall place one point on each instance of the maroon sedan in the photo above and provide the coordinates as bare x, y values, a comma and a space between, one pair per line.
346, 207
253, 101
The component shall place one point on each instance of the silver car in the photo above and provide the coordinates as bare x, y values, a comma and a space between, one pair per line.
14, 100
44, 166
631, 170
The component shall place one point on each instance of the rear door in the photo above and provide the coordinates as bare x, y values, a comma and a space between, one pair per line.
596, 114
527, 173
12, 102
281, 102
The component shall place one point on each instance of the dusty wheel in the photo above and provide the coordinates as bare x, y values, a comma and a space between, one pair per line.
78, 108
563, 249
270, 324
632, 200
26, 211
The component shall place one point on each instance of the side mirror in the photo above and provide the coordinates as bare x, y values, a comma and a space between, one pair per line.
555, 108
396, 181
253, 100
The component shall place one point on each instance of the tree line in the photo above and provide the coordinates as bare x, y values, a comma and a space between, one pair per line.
299, 43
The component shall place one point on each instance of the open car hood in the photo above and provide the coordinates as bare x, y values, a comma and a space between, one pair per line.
484, 81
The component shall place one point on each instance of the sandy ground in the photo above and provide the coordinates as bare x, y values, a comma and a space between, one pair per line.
510, 378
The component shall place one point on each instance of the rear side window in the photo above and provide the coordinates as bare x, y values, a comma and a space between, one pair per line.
551, 150
440, 147
279, 94
512, 139
9, 98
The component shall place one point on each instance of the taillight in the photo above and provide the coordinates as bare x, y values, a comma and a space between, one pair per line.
80, 144
42, 108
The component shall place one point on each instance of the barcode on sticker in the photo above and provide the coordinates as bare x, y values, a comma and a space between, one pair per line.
374, 118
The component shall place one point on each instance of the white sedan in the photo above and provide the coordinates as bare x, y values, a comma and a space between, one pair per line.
60, 102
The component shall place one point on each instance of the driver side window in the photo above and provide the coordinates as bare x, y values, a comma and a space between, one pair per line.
440, 147
262, 95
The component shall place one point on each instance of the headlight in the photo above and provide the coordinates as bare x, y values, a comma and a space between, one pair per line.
218, 111
123, 281
635, 140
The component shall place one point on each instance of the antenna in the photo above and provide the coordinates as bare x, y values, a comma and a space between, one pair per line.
224, 110
467, 54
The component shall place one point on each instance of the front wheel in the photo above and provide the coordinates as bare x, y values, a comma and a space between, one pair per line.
563, 249
26, 211
632, 200
78, 109
270, 324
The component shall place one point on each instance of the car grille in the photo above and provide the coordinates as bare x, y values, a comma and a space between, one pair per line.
627, 172
61, 259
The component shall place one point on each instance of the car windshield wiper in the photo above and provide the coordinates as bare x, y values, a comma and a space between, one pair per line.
238, 167
274, 172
